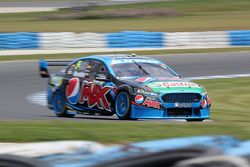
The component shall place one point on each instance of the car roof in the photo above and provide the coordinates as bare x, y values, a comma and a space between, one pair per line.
110, 57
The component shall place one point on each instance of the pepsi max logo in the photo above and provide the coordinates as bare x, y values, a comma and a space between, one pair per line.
204, 103
139, 99
72, 90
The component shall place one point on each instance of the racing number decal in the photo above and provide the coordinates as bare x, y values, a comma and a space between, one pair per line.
92, 93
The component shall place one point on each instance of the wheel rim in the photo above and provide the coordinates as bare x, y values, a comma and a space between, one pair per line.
59, 102
122, 104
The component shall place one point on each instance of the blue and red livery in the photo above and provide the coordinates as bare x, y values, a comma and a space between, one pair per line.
132, 87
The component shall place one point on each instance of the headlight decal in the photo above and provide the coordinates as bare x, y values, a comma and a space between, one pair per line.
144, 92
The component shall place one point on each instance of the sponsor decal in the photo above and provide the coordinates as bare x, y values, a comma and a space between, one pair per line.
139, 99
204, 103
94, 95
152, 104
182, 105
91, 93
72, 90
144, 79
173, 84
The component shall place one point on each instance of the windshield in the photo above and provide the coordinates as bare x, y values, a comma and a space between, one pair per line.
152, 69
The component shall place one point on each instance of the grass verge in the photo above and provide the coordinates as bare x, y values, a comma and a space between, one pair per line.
152, 52
197, 15
230, 114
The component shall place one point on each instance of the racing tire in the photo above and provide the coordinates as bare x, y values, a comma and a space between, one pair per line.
195, 120
123, 105
59, 105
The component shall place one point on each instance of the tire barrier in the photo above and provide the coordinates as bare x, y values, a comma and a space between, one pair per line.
196, 39
239, 38
124, 39
19, 40
71, 40
135, 39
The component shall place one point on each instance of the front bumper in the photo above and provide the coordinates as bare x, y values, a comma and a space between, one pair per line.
195, 112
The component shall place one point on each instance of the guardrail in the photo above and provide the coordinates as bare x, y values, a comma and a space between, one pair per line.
124, 39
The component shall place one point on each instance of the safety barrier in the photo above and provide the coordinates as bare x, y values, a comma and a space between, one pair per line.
71, 40
239, 38
19, 40
135, 39
124, 39
196, 39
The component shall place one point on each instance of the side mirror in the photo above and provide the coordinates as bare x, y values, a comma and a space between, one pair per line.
44, 73
43, 69
102, 77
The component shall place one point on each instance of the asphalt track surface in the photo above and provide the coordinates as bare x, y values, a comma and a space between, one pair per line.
20, 79
68, 3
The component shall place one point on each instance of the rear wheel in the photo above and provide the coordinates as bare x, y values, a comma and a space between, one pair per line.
59, 105
195, 120
123, 105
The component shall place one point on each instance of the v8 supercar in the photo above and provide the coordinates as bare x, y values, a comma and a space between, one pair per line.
129, 86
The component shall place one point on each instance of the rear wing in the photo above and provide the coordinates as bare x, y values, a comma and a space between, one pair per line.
44, 66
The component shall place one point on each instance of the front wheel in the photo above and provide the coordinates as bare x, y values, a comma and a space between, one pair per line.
123, 105
59, 105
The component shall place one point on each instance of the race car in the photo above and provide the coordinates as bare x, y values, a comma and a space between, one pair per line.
130, 86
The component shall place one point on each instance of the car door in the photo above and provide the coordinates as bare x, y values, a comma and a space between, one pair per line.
83, 92
103, 87
75, 75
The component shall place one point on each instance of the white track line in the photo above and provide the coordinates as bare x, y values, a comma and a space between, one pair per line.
40, 98
218, 76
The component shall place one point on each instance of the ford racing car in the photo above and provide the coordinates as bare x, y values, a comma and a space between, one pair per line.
130, 86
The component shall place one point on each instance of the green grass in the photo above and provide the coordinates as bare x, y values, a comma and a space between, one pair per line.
224, 21
198, 15
44, 1
189, 6
152, 52
230, 114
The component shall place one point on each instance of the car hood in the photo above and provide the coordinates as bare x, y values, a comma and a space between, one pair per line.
167, 85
